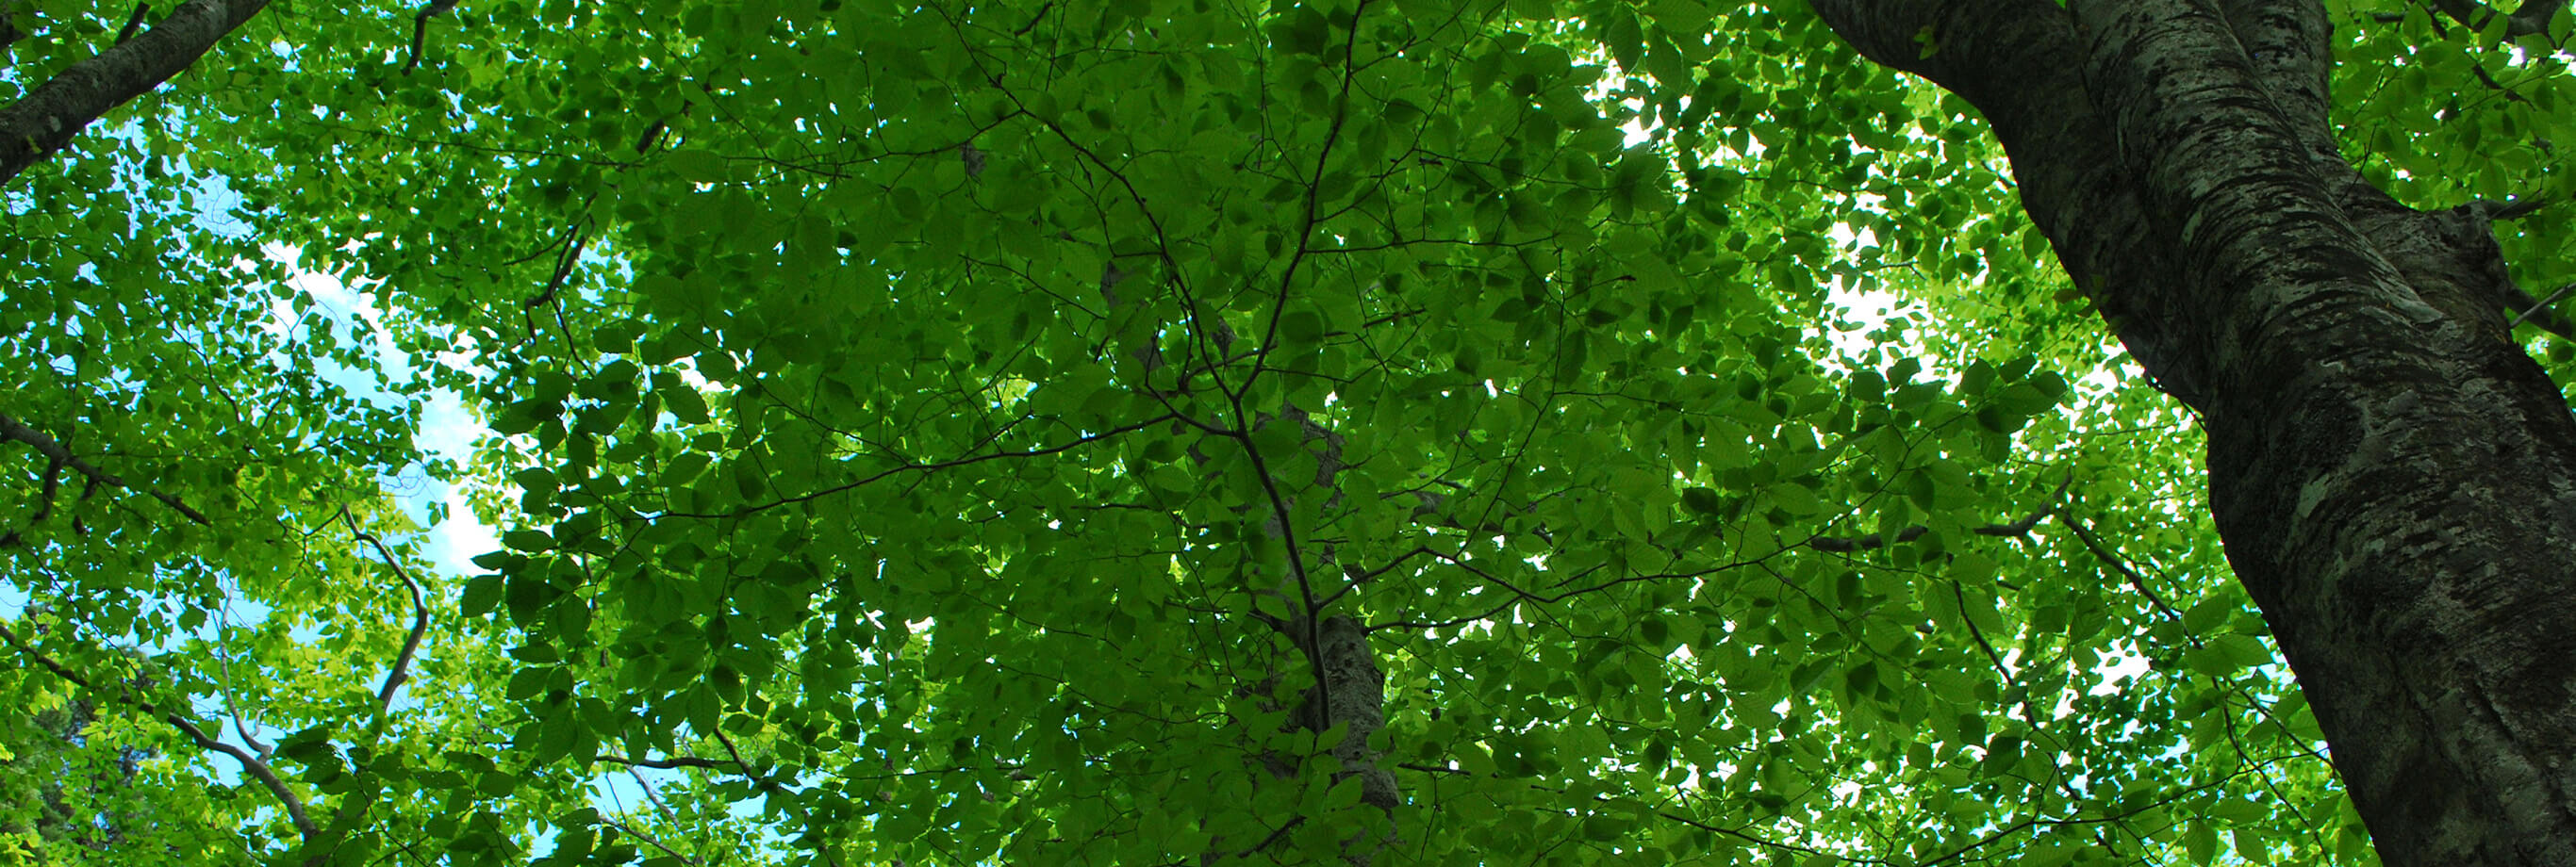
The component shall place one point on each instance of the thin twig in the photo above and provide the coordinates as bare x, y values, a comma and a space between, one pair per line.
650, 795
2541, 307
2116, 562
629, 830
224, 666
675, 763
1979, 634
1842, 544
2516, 207
563, 267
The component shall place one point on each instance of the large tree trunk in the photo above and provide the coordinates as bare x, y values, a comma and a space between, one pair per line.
2394, 478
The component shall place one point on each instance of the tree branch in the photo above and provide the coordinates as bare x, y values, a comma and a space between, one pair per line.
1961, 594
13, 429
2533, 16
629, 830
1873, 541
675, 763
2513, 207
2022, 64
2116, 562
133, 22
779, 790
401, 670
49, 117
251, 764
2538, 312
420, 30
224, 667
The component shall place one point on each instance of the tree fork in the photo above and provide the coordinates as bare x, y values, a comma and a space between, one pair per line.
2395, 480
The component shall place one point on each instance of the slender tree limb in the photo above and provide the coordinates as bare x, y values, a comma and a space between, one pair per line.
133, 22
908, 467
344, 821
2513, 207
629, 830
1848, 544
1961, 594
420, 30
649, 794
1735, 832
15, 430
2117, 563
251, 764
47, 119
564, 265
2533, 16
775, 788
2541, 314
675, 763
224, 667
50, 484
401, 670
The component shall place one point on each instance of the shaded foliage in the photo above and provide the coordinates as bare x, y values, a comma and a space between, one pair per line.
1130, 433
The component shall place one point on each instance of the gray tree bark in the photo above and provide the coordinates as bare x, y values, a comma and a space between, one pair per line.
47, 119
2394, 478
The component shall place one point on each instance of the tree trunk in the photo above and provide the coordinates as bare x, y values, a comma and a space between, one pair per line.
36, 126
2394, 479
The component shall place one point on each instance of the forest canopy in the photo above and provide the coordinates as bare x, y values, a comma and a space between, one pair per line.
1125, 433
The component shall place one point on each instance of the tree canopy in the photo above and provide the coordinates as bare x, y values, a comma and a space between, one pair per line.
1132, 432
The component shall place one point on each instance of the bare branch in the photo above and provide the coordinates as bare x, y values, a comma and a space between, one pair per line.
2116, 562
1845, 545
650, 795
401, 670
2533, 16
676, 763
48, 118
133, 22
13, 429
629, 830
2513, 207
1961, 594
2540, 313
564, 264
251, 764
777, 789
224, 667
420, 30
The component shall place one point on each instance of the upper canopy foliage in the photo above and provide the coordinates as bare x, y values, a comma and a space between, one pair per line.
945, 434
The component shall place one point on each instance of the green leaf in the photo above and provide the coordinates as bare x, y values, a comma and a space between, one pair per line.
2201, 843
696, 166
958, 435
685, 404
481, 595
